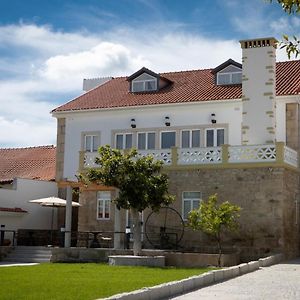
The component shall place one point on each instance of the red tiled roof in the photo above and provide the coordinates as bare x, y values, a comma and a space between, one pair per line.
30, 163
188, 86
15, 209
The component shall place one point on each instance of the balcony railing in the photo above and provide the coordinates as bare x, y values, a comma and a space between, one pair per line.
260, 154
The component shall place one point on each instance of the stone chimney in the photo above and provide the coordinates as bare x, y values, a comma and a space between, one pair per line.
258, 91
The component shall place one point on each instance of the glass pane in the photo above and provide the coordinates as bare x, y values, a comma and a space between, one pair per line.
186, 209
142, 141
195, 138
103, 195
220, 137
100, 208
95, 142
106, 207
150, 85
236, 78
196, 204
151, 140
168, 140
128, 144
185, 139
138, 86
119, 141
191, 195
88, 143
210, 138
224, 79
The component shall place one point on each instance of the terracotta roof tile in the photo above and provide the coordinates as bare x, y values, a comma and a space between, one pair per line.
30, 163
188, 86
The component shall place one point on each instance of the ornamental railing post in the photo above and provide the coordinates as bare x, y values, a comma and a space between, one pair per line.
225, 154
174, 156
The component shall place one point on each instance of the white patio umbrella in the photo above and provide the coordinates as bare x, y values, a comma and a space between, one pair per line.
53, 202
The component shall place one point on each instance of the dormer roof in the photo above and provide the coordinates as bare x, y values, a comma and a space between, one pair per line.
226, 64
140, 72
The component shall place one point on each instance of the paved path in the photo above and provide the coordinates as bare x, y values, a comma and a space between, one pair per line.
281, 281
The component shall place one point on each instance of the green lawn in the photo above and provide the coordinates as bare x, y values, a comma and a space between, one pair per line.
82, 281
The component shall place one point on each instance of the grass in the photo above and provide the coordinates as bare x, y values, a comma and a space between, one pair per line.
82, 281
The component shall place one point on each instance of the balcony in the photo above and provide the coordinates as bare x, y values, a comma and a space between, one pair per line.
270, 155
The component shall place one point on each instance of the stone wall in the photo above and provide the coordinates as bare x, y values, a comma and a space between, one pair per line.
266, 195
60, 148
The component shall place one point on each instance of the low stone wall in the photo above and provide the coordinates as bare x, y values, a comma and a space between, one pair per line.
191, 260
4, 250
172, 258
131, 260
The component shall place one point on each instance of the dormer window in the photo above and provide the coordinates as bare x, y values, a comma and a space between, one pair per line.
228, 73
144, 83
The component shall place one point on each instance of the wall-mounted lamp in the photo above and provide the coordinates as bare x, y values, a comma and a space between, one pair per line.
213, 118
167, 121
132, 123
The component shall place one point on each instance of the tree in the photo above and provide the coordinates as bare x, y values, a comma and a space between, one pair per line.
292, 46
213, 219
139, 180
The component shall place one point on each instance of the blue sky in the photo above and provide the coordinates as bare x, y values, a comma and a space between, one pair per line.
48, 47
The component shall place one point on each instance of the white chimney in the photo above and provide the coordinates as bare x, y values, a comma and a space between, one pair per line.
259, 91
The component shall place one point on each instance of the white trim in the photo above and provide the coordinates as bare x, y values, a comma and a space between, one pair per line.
98, 198
144, 85
67, 113
215, 129
189, 199
230, 75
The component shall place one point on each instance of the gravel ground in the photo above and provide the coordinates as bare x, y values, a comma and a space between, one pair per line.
281, 281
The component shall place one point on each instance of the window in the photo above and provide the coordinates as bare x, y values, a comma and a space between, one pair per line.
146, 140
214, 137
91, 142
144, 86
229, 75
190, 201
103, 205
123, 140
190, 138
168, 139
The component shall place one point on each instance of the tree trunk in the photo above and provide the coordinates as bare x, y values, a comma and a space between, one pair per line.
220, 249
137, 230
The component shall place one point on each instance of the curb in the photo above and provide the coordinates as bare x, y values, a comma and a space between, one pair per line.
175, 288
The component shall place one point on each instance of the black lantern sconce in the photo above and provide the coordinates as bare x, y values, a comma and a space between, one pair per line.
167, 121
213, 118
132, 123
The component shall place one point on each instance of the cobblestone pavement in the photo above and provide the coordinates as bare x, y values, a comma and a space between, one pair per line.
281, 281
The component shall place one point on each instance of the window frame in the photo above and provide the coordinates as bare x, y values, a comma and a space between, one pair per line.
190, 137
85, 134
230, 76
191, 200
144, 85
215, 137
105, 200
146, 140
124, 134
166, 131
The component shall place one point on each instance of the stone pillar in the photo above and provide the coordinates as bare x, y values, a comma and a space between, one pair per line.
292, 125
259, 91
68, 222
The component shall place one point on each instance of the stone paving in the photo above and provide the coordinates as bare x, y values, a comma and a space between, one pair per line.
280, 281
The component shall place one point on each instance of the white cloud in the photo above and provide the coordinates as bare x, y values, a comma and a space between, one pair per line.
56, 62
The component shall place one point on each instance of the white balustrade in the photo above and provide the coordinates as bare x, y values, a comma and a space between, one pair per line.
89, 159
194, 156
212, 155
252, 154
164, 155
290, 156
